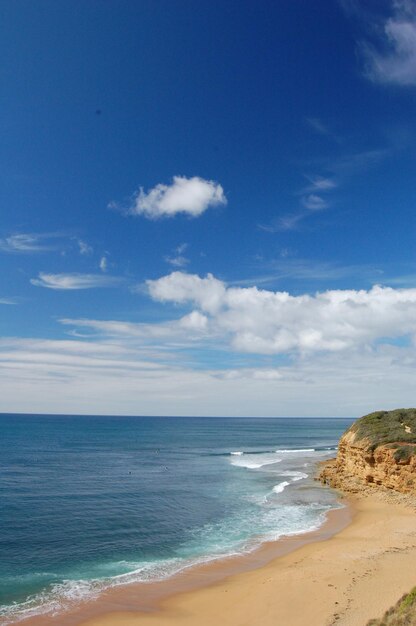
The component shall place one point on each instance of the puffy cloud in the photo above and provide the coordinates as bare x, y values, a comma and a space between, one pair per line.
275, 322
208, 293
192, 196
396, 64
74, 281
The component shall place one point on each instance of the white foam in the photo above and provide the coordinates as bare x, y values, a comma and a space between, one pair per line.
294, 475
295, 450
238, 453
280, 487
254, 464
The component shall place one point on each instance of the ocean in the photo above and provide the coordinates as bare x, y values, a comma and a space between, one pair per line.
90, 502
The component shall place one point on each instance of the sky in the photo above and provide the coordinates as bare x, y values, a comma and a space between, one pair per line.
207, 208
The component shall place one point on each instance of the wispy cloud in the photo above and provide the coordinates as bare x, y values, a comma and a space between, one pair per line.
75, 281
103, 264
29, 243
311, 199
84, 248
37, 243
313, 202
190, 196
318, 125
321, 128
178, 259
319, 183
392, 59
8, 301
282, 223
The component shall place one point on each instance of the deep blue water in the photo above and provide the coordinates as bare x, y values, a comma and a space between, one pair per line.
88, 502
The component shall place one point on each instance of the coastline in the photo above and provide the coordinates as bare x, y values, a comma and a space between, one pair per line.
345, 578
149, 598
349, 570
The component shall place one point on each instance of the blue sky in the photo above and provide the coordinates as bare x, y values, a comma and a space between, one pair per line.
208, 207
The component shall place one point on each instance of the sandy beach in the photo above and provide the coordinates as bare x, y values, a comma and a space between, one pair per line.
318, 579
345, 580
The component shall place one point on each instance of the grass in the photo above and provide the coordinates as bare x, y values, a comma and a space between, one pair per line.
401, 614
388, 427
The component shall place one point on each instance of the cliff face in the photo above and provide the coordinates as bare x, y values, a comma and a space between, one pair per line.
367, 456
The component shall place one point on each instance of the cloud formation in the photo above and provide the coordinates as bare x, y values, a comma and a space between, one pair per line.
28, 243
394, 60
190, 196
178, 259
7, 301
74, 281
275, 322
313, 202
84, 248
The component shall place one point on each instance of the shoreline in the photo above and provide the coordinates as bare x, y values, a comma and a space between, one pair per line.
343, 576
148, 597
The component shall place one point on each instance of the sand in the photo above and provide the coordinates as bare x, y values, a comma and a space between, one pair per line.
345, 580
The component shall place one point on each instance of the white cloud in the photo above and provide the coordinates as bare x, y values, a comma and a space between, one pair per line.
320, 183
110, 377
7, 301
274, 322
396, 62
74, 281
178, 259
84, 247
313, 202
27, 243
192, 196
103, 264
208, 293
146, 333
283, 223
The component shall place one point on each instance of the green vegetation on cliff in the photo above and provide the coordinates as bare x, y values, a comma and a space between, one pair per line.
402, 614
394, 428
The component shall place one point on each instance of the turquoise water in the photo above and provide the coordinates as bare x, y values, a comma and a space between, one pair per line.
92, 502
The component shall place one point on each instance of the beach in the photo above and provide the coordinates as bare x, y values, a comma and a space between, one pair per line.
237, 534
345, 579
349, 571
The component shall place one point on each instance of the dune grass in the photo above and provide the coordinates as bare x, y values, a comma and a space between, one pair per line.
401, 614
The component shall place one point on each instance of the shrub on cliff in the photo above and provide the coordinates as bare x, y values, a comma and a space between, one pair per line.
388, 427
401, 614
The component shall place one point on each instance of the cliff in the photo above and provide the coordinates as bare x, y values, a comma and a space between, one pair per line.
379, 449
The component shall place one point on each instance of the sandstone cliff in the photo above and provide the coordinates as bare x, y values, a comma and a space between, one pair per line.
379, 449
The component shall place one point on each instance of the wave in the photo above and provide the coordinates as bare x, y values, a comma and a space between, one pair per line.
248, 464
280, 487
238, 453
61, 597
294, 475
294, 450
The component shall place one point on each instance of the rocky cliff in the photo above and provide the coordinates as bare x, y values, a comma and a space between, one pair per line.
379, 449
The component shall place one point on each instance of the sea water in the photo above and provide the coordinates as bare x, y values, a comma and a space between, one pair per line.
90, 502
